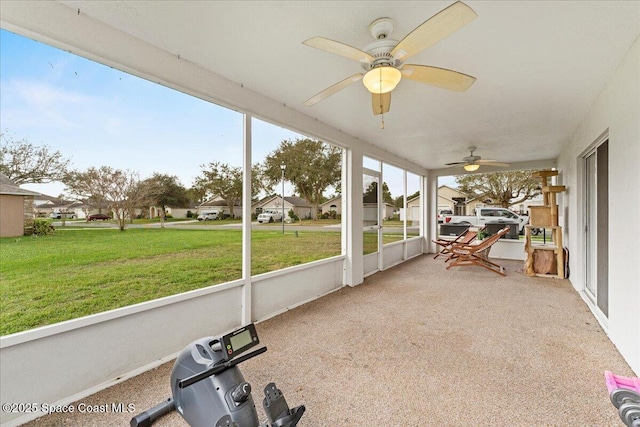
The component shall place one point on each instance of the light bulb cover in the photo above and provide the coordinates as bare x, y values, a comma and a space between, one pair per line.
382, 79
471, 167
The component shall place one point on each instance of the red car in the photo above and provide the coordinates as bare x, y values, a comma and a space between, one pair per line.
96, 217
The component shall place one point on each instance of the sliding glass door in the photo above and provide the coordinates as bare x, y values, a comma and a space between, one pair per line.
596, 226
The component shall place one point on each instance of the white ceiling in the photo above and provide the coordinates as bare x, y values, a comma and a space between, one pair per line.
539, 65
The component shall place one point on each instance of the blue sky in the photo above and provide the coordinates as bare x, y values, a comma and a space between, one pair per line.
99, 116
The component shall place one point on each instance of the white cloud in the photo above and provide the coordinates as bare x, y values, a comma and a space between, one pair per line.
28, 102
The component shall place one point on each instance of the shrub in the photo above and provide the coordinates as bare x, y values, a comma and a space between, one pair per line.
293, 215
42, 227
330, 215
189, 214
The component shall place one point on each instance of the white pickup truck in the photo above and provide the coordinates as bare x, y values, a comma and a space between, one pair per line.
270, 216
489, 214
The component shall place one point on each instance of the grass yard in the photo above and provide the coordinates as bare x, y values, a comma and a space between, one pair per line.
75, 273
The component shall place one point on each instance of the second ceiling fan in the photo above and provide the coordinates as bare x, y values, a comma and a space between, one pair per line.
472, 163
383, 60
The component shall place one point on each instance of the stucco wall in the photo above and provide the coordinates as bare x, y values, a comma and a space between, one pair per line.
617, 111
11, 215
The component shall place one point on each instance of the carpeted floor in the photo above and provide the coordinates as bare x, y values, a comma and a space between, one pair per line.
418, 345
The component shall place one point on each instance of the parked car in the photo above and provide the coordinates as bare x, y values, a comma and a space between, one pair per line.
58, 215
269, 216
208, 216
96, 217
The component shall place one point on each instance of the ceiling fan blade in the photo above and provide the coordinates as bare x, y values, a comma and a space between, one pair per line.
434, 29
440, 77
455, 163
493, 163
338, 48
332, 89
381, 103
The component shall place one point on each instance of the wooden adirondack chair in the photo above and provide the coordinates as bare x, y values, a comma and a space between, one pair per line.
474, 254
466, 237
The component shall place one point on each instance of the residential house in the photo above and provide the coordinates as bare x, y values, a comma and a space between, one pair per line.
218, 203
413, 210
301, 207
452, 198
16, 209
332, 205
370, 206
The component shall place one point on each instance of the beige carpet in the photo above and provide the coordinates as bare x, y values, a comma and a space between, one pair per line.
418, 345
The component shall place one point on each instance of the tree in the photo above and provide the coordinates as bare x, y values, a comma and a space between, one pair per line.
121, 192
371, 194
311, 166
164, 191
197, 195
90, 186
105, 187
386, 194
224, 180
25, 163
504, 188
398, 202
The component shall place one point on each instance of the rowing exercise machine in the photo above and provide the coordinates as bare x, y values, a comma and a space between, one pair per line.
208, 388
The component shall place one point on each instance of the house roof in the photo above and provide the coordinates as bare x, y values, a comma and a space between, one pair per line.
212, 203
216, 201
332, 200
298, 202
8, 187
526, 55
449, 187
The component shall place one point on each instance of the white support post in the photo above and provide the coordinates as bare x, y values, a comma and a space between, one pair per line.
381, 209
429, 213
404, 208
353, 215
346, 206
246, 222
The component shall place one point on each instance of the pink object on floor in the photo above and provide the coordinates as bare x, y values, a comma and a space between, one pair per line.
616, 381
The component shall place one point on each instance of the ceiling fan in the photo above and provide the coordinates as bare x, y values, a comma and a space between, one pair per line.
472, 163
383, 60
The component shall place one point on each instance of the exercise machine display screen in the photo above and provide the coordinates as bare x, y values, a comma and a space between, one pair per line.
239, 341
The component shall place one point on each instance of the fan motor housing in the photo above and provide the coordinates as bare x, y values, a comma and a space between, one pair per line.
381, 52
381, 49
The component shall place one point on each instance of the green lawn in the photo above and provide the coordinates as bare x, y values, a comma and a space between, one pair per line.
74, 273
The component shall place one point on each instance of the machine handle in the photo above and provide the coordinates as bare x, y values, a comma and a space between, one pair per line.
186, 382
147, 418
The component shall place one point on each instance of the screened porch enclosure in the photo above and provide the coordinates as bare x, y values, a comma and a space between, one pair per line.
505, 334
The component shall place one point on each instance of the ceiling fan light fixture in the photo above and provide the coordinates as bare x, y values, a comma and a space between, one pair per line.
382, 79
471, 167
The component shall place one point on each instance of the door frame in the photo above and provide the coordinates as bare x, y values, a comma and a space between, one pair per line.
595, 238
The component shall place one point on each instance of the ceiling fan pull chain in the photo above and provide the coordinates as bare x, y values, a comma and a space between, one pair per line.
380, 97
